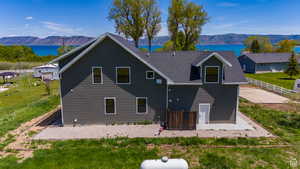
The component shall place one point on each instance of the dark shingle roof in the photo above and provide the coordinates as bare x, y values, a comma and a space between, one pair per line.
177, 68
269, 57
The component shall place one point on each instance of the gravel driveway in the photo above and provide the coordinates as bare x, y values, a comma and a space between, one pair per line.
257, 95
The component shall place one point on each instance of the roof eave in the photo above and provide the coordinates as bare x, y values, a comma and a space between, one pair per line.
218, 56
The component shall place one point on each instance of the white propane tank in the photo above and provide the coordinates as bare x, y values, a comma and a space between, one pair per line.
165, 163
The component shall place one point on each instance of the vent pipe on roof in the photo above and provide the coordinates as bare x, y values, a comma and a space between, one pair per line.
174, 53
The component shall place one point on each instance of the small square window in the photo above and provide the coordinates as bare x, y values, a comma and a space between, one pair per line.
141, 104
149, 75
97, 75
212, 74
110, 105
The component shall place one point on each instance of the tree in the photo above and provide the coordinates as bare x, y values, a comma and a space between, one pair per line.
264, 43
64, 49
255, 47
128, 18
152, 20
286, 46
168, 46
184, 24
293, 68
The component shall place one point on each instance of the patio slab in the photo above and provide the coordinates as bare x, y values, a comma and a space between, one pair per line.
241, 124
245, 128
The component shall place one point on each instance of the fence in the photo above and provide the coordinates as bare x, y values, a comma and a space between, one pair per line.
181, 120
271, 87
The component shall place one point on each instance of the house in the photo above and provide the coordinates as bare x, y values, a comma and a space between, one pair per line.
264, 62
49, 71
108, 80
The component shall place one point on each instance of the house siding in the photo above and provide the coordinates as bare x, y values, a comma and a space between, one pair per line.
85, 101
222, 98
247, 65
270, 67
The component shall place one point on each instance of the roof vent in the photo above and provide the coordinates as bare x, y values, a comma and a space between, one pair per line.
174, 53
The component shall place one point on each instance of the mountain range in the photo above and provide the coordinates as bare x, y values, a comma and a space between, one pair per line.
224, 39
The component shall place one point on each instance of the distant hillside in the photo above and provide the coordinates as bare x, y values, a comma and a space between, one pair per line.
78, 40
225, 39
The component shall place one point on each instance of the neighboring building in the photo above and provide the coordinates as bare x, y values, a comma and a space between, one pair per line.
108, 80
264, 62
49, 72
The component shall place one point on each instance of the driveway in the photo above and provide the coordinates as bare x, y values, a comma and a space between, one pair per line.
257, 95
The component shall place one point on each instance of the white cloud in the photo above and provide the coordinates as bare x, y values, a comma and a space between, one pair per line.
29, 18
57, 28
227, 4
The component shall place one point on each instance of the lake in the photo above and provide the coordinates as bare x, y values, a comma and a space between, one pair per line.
237, 49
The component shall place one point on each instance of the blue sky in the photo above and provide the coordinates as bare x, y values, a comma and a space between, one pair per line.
89, 17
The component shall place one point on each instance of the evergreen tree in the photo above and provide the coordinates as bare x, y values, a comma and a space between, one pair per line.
255, 48
293, 67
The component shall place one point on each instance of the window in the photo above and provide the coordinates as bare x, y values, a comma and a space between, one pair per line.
141, 105
211, 74
97, 75
123, 75
110, 105
149, 75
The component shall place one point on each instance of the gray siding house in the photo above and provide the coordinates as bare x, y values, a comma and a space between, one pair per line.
108, 81
264, 62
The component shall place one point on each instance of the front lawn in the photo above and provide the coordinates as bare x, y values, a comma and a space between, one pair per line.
25, 100
279, 79
200, 153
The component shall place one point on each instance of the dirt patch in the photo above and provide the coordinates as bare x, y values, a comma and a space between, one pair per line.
21, 145
282, 107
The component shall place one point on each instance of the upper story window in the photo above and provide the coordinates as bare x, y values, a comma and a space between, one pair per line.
123, 75
97, 75
212, 74
149, 75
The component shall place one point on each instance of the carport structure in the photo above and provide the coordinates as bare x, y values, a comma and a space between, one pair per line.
7, 74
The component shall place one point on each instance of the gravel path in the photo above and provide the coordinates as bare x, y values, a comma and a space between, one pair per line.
256, 95
132, 131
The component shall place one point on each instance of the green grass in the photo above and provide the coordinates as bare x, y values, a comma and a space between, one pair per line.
279, 79
25, 100
18, 65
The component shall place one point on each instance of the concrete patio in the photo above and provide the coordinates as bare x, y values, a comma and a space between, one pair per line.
244, 128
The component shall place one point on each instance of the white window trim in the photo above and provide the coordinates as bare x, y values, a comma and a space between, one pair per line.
115, 103
149, 71
208, 114
93, 67
129, 74
218, 75
136, 105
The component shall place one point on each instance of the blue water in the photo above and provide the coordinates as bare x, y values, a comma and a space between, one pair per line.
52, 50
45, 50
